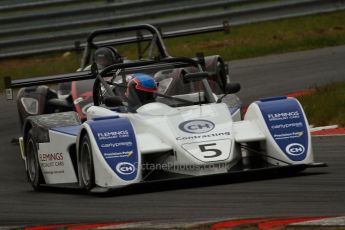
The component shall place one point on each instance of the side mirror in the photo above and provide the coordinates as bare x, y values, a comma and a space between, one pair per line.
112, 101
232, 88
192, 77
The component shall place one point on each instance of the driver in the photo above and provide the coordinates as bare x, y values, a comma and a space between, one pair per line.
106, 56
141, 90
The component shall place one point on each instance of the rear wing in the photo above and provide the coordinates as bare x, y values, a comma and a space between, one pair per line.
128, 68
12, 84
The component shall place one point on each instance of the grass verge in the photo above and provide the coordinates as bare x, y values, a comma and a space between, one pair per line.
326, 105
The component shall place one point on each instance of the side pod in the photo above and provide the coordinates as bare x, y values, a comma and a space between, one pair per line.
116, 157
283, 122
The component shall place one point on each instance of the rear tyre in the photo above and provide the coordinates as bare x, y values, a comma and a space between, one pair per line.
33, 171
87, 174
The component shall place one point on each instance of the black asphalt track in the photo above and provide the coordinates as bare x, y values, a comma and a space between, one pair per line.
282, 74
319, 191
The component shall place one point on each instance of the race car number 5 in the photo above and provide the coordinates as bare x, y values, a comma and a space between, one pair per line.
205, 148
209, 151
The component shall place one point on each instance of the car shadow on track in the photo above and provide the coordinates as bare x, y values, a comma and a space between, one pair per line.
203, 181
193, 182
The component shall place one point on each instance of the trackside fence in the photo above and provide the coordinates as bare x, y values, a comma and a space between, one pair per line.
36, 27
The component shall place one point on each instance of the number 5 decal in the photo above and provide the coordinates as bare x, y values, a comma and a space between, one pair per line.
209, 151
204, 148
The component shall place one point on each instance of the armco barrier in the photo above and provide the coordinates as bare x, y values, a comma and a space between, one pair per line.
61, 36
115, 18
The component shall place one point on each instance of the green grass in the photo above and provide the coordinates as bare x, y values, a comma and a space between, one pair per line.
40, 65
325, 106
268, 37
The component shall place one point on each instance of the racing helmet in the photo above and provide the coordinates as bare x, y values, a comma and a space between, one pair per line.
141, 90
106, 56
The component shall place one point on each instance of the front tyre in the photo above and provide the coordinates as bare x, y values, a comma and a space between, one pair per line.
33, 171
87, 174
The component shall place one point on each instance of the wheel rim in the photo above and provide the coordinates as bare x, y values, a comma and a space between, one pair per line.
31, 160
86, 163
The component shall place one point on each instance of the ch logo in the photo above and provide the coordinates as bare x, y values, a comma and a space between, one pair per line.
197, 126
125, 168
295, 149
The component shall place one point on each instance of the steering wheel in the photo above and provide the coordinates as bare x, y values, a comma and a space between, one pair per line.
100, 92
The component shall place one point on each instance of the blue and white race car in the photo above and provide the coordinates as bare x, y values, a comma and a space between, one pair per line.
136, 132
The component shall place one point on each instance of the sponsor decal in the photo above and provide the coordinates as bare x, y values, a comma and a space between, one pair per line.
288, 135
125, 168
295, 149
51, 159
283, 116
54, 172
116, 141
117, 154
113, 135
286, 124
113, 145
203, 136
50, 156
197, 126
51, 164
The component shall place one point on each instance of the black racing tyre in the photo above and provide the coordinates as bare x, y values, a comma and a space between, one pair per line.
87, 174
33, 171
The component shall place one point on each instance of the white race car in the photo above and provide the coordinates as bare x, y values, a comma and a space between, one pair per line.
137, 133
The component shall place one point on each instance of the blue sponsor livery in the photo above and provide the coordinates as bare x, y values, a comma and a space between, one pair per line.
70, 130
115, 138
285, 121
